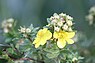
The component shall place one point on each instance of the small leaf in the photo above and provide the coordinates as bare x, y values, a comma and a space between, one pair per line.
51, 56
48, 20
31, 26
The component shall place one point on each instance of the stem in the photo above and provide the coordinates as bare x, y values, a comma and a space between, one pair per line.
27, 58
30, 59
29, 39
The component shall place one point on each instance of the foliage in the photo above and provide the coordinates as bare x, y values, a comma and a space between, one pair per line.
34, 45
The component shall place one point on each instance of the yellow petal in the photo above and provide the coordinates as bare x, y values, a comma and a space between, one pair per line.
69, 41
61, 43
37, 45
55, 35
48, 35
36, 40
42, 42
70, 34
39, 33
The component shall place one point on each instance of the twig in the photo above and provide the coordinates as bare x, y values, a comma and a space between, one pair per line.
30, 59
28, 37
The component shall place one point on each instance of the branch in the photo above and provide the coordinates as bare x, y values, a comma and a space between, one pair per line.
30, 59
27, 58
28, 37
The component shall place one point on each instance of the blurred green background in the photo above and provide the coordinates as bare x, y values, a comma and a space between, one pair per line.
37, 11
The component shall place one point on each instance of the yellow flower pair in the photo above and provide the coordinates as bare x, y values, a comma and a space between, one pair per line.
44, 34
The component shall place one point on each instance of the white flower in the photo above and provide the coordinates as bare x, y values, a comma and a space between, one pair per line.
60, 23
69, 23
28, 30
10, 25
56, 28
90, 18
69, 17
4, 24
56, 15
6, 30
51, 18
70, 29
11, 20
22, 29
62, 19
62, 14
92, 10
54, 21
65, 27
74, 59
7, 23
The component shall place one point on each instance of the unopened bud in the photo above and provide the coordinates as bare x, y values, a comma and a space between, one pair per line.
69, 17
69, 23
22, 30
56, 15
28, 30
65, 27
62, 14
56, 28
11, 20
60, 24
69, 29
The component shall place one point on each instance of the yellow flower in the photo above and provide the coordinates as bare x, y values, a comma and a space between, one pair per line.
63, 37
42, 36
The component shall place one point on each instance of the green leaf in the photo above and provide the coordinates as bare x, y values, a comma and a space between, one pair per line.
51, 56
48, 20
10, 50
31, 27
8, 40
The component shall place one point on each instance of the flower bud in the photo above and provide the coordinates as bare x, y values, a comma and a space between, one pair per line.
6, 30
62, 19
10, 25
22, 30
62, 14
60, 24
69, 17
65, 27
69, 23
70, 29
92, 10
28, 30
51, 18
56, 15
54, 21
11, 20
56, 28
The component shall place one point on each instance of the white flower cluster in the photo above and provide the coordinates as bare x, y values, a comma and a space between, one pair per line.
91, 16
7, 24
61, 21
24, 30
